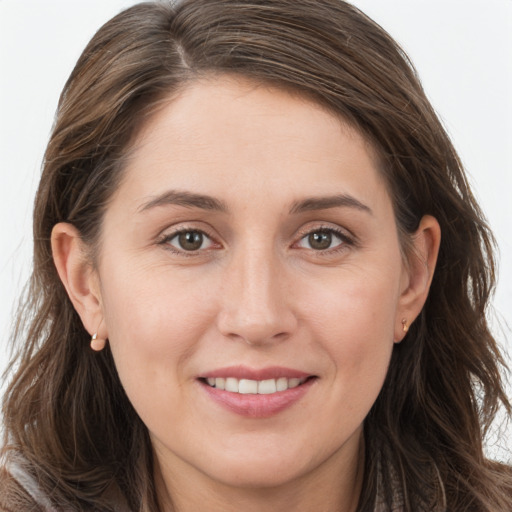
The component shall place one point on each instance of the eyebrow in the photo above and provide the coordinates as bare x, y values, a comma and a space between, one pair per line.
205, 202
326, 202
187, 199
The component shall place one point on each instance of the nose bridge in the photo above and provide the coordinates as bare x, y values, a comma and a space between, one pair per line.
255, 306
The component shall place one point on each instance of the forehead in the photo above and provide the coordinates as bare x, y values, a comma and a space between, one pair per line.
225, 135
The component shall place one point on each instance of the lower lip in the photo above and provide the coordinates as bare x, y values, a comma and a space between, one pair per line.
258, 406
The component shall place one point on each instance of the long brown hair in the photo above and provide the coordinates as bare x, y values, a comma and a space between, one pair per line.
65, 410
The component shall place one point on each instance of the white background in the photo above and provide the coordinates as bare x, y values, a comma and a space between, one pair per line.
461, 48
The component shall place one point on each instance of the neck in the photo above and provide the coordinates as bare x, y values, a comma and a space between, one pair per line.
332, 487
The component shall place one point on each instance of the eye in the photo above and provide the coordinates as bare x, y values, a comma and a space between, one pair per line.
323, 239
189, 240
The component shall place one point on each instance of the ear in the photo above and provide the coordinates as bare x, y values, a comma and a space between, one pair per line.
78, 276
417, 274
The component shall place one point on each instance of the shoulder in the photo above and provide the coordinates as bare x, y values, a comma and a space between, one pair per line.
19, 491
14, 497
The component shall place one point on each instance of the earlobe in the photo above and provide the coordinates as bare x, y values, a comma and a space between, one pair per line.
77, 275
418, 274
97, 344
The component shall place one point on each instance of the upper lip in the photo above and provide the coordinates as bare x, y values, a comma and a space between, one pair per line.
244, 372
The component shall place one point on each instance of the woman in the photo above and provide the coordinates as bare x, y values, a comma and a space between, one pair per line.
260, 278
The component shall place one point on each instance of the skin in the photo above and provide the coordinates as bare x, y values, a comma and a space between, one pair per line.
257, 293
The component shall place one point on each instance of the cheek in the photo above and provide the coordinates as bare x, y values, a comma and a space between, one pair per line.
154, 326
355, 304
353, 318
154, 320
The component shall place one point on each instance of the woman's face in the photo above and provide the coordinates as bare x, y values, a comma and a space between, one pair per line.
251, 246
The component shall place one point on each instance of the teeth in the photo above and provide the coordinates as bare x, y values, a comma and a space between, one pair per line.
293, 383
231, 385
267, 387
253, 387
248, 387
282, 384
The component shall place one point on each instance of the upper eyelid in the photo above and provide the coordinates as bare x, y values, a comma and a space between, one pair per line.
343, 232
167, 237
348, 239
180, 227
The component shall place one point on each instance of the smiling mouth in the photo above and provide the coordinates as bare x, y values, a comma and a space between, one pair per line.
255, 387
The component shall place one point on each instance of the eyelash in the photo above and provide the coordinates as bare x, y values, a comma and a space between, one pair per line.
346, 240
167, 238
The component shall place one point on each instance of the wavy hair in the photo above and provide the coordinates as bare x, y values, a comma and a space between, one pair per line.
65, 410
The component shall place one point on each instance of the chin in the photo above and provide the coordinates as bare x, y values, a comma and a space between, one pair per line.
265, 466
259, 476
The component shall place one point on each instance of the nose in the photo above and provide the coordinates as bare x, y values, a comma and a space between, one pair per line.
256, 305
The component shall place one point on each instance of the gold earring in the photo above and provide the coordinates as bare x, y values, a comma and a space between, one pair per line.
97, 344
405, 327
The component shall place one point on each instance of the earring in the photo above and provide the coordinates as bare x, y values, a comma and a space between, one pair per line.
405, 327
97, 344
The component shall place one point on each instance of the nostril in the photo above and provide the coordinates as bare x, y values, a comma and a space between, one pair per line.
254, 331
281, 336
